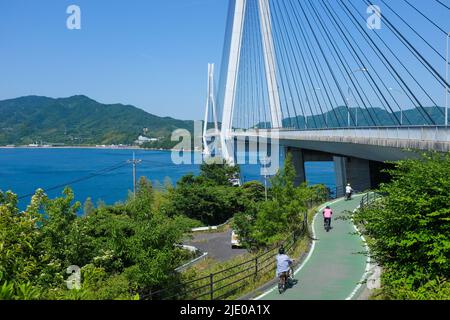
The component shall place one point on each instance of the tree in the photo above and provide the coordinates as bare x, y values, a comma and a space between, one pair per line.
203, 201
88, 207
219, 174
268, 222
408, 229
19, 239
250, 196
122, 249
209, 197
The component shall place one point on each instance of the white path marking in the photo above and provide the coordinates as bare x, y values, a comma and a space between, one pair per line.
368, 261
310, 251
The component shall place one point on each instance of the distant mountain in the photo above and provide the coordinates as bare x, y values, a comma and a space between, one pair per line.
338, 117
78, 120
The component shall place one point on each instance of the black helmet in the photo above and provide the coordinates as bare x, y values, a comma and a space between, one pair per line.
281, 251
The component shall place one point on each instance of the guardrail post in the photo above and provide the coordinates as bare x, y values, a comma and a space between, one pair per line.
211, 286
256, 266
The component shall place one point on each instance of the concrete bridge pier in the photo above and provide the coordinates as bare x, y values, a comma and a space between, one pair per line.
354, 171
362, 174
299, 165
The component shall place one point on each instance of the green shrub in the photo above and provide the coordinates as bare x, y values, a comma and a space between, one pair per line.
408, 230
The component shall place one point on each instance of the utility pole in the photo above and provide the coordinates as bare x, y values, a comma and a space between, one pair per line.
134, 162
265, 162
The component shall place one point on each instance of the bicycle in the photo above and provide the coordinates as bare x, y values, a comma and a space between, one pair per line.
327, 224
284, 280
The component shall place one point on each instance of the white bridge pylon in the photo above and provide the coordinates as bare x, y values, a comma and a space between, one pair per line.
264, 13
210, 105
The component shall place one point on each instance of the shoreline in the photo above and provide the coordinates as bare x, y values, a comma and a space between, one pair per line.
95, 147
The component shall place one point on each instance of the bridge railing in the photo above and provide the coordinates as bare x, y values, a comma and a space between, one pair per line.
422, 133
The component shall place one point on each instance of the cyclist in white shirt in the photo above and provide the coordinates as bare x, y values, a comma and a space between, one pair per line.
348, 192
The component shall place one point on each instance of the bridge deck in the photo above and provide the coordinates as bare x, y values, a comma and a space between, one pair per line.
336, 264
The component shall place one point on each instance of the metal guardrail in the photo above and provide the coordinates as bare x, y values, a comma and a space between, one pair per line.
223, 284
216, 285
368, 198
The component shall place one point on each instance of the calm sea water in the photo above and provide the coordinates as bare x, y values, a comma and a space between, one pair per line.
25, 170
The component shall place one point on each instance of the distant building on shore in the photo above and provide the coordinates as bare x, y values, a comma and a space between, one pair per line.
141, 140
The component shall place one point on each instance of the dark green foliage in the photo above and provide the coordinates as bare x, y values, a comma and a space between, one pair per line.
219, 174
78, 120
209, 198
122, 250
409, 228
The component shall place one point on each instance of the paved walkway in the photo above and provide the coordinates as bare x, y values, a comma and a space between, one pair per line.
217, 245
334, 267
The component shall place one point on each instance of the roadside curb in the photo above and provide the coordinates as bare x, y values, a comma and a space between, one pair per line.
210, 228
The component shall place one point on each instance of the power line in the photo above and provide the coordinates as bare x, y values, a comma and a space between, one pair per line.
88, 177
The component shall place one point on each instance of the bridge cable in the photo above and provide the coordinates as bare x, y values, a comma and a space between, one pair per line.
301, 26
341, 60
443, 4
325, 85
317, 74
336, 84
379, 55
348, 44
303, 54
408, 44
387, 63
327, 34
352, 49
314, 83
351, 15
414, 78
414, 30
283, 54
291, 68
423, 15
305, 71
372, 83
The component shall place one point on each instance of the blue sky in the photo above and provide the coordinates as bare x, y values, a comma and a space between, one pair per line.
149, 53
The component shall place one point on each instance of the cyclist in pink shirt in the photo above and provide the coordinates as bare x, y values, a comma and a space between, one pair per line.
327, 214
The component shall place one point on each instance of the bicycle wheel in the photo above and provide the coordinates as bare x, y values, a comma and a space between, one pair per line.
280, 287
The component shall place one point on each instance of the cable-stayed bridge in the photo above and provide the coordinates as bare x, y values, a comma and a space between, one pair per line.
356, 82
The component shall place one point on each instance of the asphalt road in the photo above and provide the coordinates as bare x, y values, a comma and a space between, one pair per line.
218, 245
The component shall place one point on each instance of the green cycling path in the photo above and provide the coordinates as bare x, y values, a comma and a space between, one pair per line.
335, 265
